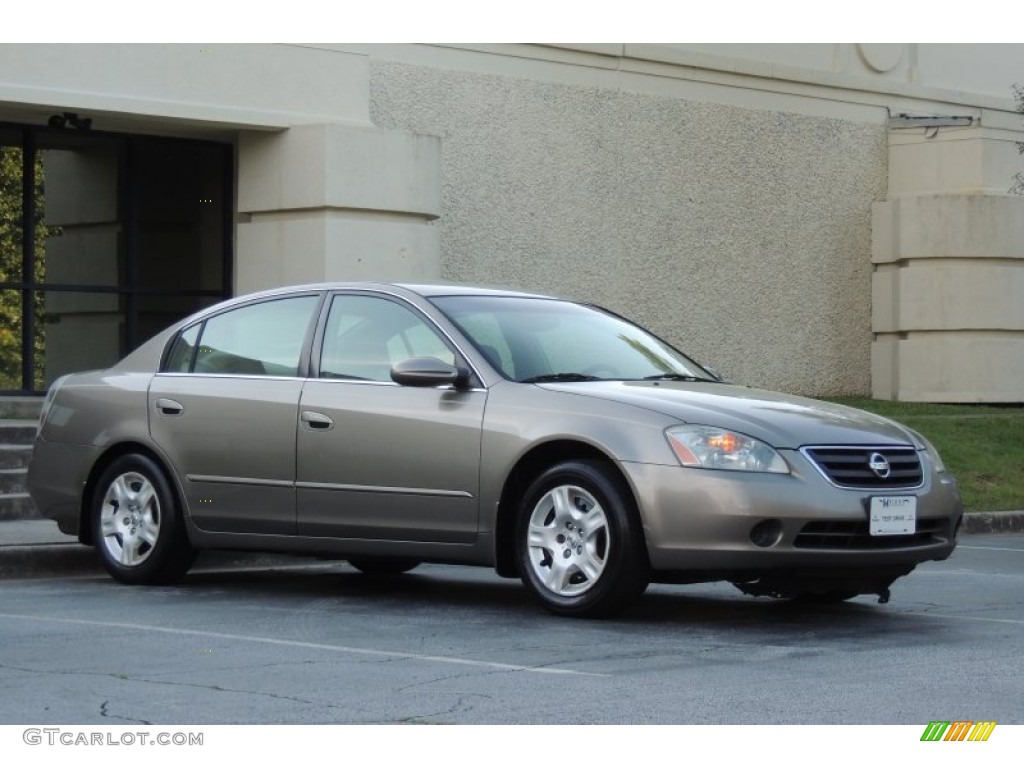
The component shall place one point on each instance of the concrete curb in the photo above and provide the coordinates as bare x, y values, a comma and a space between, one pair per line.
43, 560
34, 549
994, 522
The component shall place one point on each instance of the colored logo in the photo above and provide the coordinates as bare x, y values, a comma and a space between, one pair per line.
958, 730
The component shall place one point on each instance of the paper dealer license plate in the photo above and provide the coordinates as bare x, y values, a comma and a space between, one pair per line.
893, 515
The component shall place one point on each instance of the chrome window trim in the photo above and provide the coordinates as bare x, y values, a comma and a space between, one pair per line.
259, 377
253, 376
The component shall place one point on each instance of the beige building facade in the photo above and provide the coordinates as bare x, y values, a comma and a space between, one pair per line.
823, 219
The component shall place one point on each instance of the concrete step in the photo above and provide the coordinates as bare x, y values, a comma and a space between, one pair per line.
16, 437
17, 506
20, 407
18, 431
13, 480
14, 456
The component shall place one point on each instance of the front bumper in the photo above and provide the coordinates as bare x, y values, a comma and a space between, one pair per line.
698, 520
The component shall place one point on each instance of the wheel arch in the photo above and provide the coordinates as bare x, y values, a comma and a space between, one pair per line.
107, 458
529, 466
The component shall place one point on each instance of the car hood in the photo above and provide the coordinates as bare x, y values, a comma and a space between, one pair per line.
784, 421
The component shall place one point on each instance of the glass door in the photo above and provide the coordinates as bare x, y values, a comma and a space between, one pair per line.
105, 239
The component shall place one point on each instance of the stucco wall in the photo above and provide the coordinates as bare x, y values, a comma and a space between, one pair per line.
743, 236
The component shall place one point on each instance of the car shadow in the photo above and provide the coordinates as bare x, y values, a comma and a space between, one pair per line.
478, 592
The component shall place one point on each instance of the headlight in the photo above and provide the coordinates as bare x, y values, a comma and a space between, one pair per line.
714, 448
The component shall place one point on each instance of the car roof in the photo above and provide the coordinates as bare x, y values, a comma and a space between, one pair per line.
426, 290
430, 290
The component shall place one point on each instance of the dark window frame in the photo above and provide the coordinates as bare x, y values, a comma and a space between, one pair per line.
130, 292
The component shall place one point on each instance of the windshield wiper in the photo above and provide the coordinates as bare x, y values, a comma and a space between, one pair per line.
678, 377
559, 377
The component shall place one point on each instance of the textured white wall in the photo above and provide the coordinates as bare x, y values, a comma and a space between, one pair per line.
743, 236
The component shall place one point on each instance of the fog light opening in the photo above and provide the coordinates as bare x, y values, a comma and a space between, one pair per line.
766, 533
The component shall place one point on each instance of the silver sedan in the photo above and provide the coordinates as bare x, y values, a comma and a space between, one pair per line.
554, 441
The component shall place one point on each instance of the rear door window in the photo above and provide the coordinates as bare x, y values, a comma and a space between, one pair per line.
263, 339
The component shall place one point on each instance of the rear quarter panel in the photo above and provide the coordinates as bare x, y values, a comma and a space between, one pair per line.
91, 413
99, 409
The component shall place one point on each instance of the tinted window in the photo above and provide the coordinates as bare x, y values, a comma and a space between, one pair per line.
257, 339
366, 335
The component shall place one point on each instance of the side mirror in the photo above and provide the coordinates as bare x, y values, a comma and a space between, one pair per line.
428, 372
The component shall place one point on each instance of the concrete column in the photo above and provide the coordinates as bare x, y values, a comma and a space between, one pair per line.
337, 202
948, 285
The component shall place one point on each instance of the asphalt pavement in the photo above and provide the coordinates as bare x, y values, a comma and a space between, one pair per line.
322, 643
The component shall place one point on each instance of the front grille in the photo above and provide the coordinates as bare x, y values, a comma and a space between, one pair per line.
845, 534
850, 466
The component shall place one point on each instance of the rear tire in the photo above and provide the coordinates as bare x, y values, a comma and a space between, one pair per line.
579, 544
137, 525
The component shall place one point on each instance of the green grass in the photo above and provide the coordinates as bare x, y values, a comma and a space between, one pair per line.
982, 446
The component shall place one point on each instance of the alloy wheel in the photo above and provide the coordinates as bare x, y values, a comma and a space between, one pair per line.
130, 519
568, 540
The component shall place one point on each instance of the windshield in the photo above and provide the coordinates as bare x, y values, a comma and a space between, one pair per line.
530, 339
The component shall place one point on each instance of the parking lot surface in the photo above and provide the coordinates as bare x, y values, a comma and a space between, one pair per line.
320, 643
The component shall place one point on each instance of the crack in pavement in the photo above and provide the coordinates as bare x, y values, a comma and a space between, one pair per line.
104, 713
175, 683
459, 706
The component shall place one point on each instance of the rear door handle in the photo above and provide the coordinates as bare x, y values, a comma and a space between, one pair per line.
169, 407
317, 420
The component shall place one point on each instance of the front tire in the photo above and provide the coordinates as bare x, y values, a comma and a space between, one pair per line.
137, 525
580, 546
